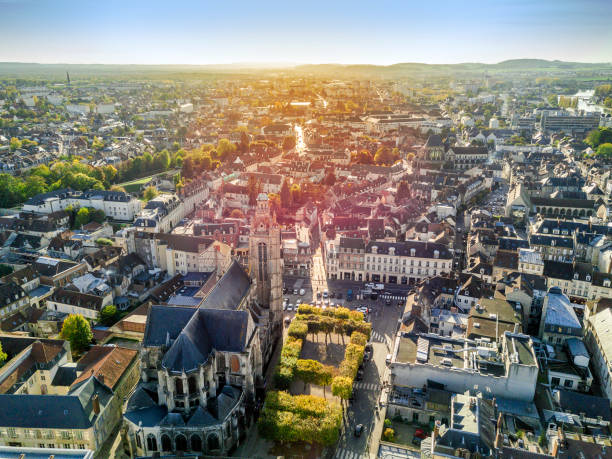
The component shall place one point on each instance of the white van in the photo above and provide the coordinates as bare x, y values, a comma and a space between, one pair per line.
302, 291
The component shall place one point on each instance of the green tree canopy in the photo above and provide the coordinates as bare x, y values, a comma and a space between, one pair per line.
604, 150
149, 193
78, 331
3, 356
108, 314
82, 217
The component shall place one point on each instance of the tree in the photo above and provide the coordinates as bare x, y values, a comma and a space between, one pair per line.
236, 213
117, 188
285, 195
329, 179
363, 157
3, 356
149, 193
108, 314
34, 185
225, 148
289, 143
97, 144
389, 434
599, 136
14, 144
82, 217
403, 190
78, 331
296, 193
386, 156
253, 188
308, 371
604, 150
5, 270
342, 387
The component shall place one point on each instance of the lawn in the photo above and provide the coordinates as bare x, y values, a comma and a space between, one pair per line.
135, 185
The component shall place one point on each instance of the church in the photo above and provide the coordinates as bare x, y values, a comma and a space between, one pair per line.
202, 366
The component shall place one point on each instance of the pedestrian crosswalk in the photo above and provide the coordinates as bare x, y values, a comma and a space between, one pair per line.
378, 337
343, 453
393, 297
366, 386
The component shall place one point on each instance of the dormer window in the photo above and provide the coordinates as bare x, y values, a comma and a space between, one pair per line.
436, 254
606, 283
412, 252
391, 250
576, 276
588, 278
374, 249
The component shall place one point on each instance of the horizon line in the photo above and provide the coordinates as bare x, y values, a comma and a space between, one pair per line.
281, 64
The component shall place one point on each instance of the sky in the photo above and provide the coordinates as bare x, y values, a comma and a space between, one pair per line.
303, 31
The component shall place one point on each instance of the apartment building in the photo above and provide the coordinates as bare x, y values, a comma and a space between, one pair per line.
115, 204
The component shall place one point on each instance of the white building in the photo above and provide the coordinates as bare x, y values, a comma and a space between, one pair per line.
115, 204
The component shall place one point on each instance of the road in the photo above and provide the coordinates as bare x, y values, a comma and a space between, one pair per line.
364, 410
300, 144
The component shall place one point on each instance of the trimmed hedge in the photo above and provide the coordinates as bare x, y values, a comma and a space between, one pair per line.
304, 418
290, 353
353, 357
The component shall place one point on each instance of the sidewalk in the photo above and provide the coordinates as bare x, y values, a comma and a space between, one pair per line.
379, 418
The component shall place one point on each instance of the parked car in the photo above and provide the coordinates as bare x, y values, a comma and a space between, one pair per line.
359, 376
416, 441
388, 302
388, 359
302, 292
358, 430
325, 294
367, 355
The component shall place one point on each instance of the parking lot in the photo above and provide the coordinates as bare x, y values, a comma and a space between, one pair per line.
496, 200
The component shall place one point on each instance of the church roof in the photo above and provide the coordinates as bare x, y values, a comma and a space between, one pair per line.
208, 329
229, 290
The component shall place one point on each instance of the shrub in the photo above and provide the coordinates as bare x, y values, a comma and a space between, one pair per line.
304, 418
298, 329
358, 338
387, 422
389, 434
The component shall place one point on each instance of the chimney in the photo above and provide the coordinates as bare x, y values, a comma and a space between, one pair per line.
95, 401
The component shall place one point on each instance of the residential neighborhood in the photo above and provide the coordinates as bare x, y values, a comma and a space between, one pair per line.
305, 263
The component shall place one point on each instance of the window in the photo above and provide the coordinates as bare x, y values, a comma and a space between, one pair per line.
555, 381
568, 383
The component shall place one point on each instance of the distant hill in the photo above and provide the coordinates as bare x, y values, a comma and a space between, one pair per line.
399, 70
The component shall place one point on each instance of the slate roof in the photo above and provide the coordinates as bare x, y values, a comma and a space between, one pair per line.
559, 310
229, 290
576, 403
422, 249
207, 330
73, 411
165, 321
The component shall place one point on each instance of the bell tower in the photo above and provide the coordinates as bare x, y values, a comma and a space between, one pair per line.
266, 269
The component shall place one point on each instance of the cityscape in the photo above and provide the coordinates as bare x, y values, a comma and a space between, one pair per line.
315, 231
